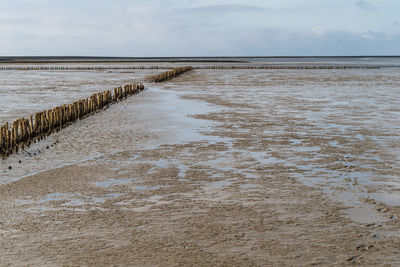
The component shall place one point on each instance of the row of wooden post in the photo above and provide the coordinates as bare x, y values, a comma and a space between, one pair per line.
25, 131
162, 77
225, 67
288, 67
80, 67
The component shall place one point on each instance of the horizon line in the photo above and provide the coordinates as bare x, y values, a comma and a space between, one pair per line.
156, 57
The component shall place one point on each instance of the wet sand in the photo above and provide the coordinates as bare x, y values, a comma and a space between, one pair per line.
222, 168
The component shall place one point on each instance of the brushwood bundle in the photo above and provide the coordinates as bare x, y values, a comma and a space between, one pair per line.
168, 75
90, 67
289, 67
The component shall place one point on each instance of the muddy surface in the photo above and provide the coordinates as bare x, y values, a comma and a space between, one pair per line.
221, 168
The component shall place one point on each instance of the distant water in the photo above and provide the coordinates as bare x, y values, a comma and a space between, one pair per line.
373, 61
382, 61
388, 61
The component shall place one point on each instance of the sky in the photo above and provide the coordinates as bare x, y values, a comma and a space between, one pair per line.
154, 28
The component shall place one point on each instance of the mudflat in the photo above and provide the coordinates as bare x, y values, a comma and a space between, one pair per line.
221, 168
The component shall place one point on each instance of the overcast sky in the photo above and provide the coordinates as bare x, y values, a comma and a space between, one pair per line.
199, 27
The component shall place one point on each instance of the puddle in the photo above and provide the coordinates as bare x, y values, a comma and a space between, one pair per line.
54, 197
364, 215
160, 163
248, 186
75, 202
390, 199
333, 143
102, 199
359, 211
145, 188
360, 136
69, 200
182, 171
251, 174
115, 182
220, 184
307, 148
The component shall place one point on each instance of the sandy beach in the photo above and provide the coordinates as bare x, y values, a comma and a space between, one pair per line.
215, 168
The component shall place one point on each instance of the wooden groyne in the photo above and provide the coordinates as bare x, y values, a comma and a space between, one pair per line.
23, 132
222, 67
79, 68
168, 75
288, 67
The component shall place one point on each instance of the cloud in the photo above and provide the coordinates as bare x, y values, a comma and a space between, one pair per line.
219, 9
364, 4
318, 30
153, 28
